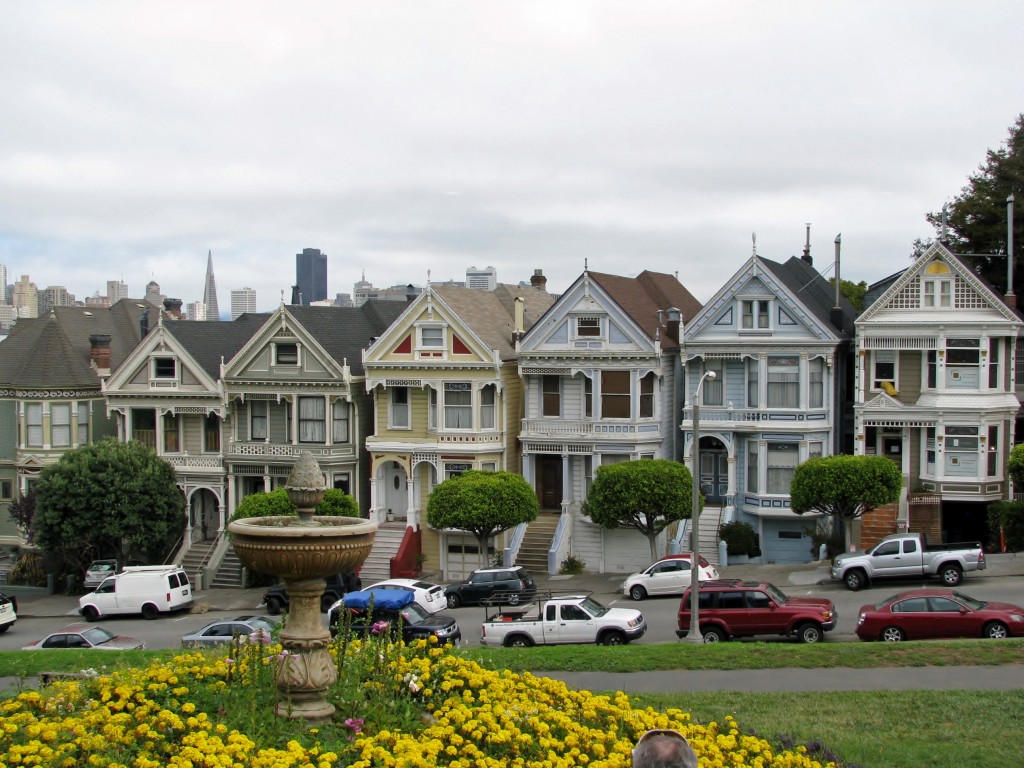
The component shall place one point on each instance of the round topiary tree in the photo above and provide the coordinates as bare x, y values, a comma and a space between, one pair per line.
336, 503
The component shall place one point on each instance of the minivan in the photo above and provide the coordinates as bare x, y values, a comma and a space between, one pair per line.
146, 589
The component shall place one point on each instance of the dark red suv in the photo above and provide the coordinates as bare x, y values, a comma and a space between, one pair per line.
734, 608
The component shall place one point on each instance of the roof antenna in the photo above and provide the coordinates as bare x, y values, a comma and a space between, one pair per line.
807, 247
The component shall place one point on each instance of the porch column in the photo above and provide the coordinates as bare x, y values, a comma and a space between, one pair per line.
159, 432
374, 503
411, 511
802, 374
566, 482
730, 489
232, 498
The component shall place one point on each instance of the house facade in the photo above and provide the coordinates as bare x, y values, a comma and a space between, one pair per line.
448, 398
779, 341
936, 392
51, 400
602, 380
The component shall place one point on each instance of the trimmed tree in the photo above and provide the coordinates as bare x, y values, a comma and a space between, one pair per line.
845, 487
647, 494
23, 512
336, 503
482, 503
109, 499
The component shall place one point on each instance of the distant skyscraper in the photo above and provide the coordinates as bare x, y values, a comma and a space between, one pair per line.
210, 291
311, 275
116, 290
153, 295
54, 296
487, 279
26, 298
242, 301
3, 283
196, 310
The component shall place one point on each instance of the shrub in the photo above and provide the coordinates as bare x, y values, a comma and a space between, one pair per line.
1007, 517
336, 503
572, 565
829, 535
740, 538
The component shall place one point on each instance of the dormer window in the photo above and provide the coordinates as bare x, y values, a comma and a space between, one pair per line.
937, 286
755, 314
588, 327
432, 336
165, 368
286, 354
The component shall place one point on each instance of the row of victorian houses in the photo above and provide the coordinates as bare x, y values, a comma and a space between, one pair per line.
392, 399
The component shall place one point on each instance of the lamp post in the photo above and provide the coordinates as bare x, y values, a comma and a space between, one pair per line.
694, 635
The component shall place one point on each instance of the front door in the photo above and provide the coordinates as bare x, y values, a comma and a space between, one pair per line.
714, 470
549, 481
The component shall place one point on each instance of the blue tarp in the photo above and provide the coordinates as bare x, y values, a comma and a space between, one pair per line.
383, 599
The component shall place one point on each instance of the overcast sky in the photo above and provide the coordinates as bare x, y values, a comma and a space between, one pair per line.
403, 138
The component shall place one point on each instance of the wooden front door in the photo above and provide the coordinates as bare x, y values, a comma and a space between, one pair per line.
549, 481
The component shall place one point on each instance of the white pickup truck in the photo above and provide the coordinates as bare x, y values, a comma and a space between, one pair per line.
560, 618
906, 554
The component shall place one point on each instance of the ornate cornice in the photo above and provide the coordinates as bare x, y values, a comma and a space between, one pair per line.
52, 394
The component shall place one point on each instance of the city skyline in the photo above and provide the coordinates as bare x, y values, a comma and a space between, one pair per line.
650, 136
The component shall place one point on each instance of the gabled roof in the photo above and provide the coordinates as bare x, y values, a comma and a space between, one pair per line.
211, 341
814, 291
344, 332
643, 296
490, 315
54, 350
891, 286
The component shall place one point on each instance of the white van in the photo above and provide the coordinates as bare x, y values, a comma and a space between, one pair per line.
146, 589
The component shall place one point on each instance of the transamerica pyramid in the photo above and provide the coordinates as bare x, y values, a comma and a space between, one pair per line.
210, 290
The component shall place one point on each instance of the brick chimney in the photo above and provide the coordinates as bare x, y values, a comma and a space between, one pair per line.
173, 308
672, 324
99, 353
538, 280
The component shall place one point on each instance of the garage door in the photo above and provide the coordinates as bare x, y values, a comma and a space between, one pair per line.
463, 556
785, 544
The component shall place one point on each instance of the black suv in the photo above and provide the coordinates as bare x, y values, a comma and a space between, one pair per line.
506, 585
338, 585
383, 611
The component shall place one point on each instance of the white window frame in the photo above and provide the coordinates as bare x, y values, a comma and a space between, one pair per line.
937, 293
713, 391
760, 315
33, 425
588, 323
255, 417
60, 425
164, 376
399, 412
458, 415
340, 422
489, 407
431, 342
876, 358
312, 415
82, 436
287, 363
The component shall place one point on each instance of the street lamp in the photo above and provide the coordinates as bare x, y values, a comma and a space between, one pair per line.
694, 635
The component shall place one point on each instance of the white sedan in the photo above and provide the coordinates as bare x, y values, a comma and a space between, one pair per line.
429, 597
668, 576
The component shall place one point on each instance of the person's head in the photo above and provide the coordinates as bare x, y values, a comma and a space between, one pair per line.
663, 749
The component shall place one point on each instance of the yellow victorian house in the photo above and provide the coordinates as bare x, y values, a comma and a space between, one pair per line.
447, 398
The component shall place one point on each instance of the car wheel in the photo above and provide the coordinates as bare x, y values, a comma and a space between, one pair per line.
513, 599
854, 580
150, 611
275, 606
808, 632
951, 575
454, 601
613, 638
713, 635
518, 641
995, 630
90, 613
637, 592
893, 634
5, 627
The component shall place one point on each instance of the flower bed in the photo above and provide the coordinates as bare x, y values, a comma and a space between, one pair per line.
398, 705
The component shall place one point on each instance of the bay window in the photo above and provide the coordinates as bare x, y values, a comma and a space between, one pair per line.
258, 420
783, 382
211, 433
714, 389
816, 383
487, 407
399, 410
551, 395
34, 425
60, 425
458, 405
752, 478
339, 421
782, 461
647, 396
83, 424
615, 395
172, 437
753, 382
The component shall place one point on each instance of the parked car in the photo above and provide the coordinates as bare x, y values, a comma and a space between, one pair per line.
509, 585
429, 597
376, 611
97, 571
919, 614
146, 589
669, 576
907, 554
86, 636
223, 631
734, 608
8, 611
552, 618
338, 585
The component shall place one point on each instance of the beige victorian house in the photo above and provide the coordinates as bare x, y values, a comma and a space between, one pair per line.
448, 398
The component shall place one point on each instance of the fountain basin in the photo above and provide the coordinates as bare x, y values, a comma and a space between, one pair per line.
282, 546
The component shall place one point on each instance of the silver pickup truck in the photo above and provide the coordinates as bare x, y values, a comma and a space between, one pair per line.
906, 554
552, 619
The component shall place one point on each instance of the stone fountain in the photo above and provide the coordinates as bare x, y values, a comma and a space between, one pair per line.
303, 551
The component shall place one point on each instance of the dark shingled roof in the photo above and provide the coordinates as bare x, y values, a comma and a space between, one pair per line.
53, 351
642, 296
210, 341
816, 293
346, 331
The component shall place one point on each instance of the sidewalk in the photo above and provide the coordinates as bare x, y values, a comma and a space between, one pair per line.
1010, 564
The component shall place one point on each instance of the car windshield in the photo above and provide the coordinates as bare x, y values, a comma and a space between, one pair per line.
413, 614
261, 624
970, 602
97, 635
594, 608
101, 567
776, 594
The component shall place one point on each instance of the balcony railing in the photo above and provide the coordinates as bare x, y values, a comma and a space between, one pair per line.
286, 450
742, 416
211, 462
145, 436
587, 429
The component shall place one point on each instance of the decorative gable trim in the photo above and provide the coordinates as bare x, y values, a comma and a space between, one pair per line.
404, 346
883, 402
968, 291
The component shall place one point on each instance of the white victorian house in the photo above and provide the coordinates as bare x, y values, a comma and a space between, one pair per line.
602, 383
936, 391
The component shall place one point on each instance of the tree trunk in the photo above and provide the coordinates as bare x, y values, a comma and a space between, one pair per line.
653, 539
482, 542
847, 533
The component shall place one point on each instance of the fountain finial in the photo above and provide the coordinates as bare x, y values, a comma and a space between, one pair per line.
305, 486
